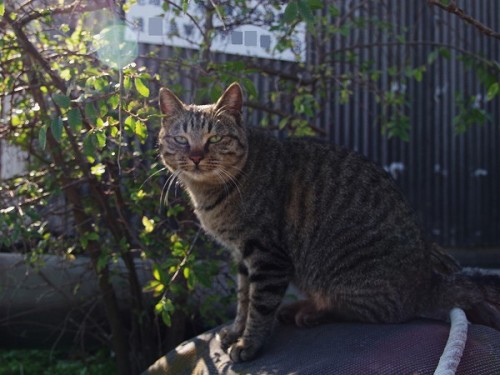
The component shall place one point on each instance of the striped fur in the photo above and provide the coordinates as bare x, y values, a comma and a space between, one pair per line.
319, 216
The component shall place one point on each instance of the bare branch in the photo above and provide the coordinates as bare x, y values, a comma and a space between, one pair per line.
459, 12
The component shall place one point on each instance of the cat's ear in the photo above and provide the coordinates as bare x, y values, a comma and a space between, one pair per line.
232, 99
170, 104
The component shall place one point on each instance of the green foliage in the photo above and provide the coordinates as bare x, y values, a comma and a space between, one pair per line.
46, 362
469, 114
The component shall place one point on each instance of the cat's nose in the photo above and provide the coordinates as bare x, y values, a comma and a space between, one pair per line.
196, 157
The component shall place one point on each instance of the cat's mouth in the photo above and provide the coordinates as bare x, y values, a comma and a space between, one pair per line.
203, 173
196, 171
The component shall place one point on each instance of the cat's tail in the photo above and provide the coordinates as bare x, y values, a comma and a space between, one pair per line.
476, 292
487, 311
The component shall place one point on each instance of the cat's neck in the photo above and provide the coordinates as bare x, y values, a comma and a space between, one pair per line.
205, 195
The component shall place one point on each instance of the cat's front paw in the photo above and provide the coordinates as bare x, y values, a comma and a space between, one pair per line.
243, 350
227, 336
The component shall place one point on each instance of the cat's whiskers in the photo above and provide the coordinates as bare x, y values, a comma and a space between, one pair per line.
239, 170
231, 179
151, 176
169, 182
221, 178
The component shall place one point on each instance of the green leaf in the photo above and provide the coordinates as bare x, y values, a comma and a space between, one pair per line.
88, 236
75, 119
56, 127
102, 262
130, 124
141, 87
154, 286
98, 169
126, 83
42, 137
90, 112
102, 107
444, 52
291, 12
89, 144
315, 4
432, 56
2, 8
141, 130
334, 11
100, 137
165, 308
175, 210
113, 101
157, 273
305, 11
249, 86
62, 100
493, 91
149, 224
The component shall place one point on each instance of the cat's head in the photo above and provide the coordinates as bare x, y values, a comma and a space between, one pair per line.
203, 143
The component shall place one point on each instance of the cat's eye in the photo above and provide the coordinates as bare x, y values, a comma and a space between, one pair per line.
215, 139
181, 140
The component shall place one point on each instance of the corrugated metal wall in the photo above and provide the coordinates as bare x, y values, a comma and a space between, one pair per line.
452, 180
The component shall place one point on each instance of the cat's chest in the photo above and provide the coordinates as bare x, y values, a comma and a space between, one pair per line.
223, 225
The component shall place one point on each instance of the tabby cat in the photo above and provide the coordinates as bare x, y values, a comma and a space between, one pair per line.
319, 216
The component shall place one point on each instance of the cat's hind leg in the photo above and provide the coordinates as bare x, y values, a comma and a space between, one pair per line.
304, 313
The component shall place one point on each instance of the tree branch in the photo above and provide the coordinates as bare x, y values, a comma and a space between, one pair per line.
459, 12
78, 6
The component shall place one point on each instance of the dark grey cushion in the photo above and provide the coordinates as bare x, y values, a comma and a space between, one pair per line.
343, 348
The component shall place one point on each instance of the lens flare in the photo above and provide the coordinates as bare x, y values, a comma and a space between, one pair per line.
112, 47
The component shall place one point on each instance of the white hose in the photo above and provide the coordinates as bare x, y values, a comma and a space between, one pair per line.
453, 351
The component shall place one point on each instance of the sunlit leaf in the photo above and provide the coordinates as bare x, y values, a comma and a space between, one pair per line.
141, 87
7, 210
165, 308
140, 129
126, 83
113, 101
149, 224
156, 273
100, 137
98, 169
